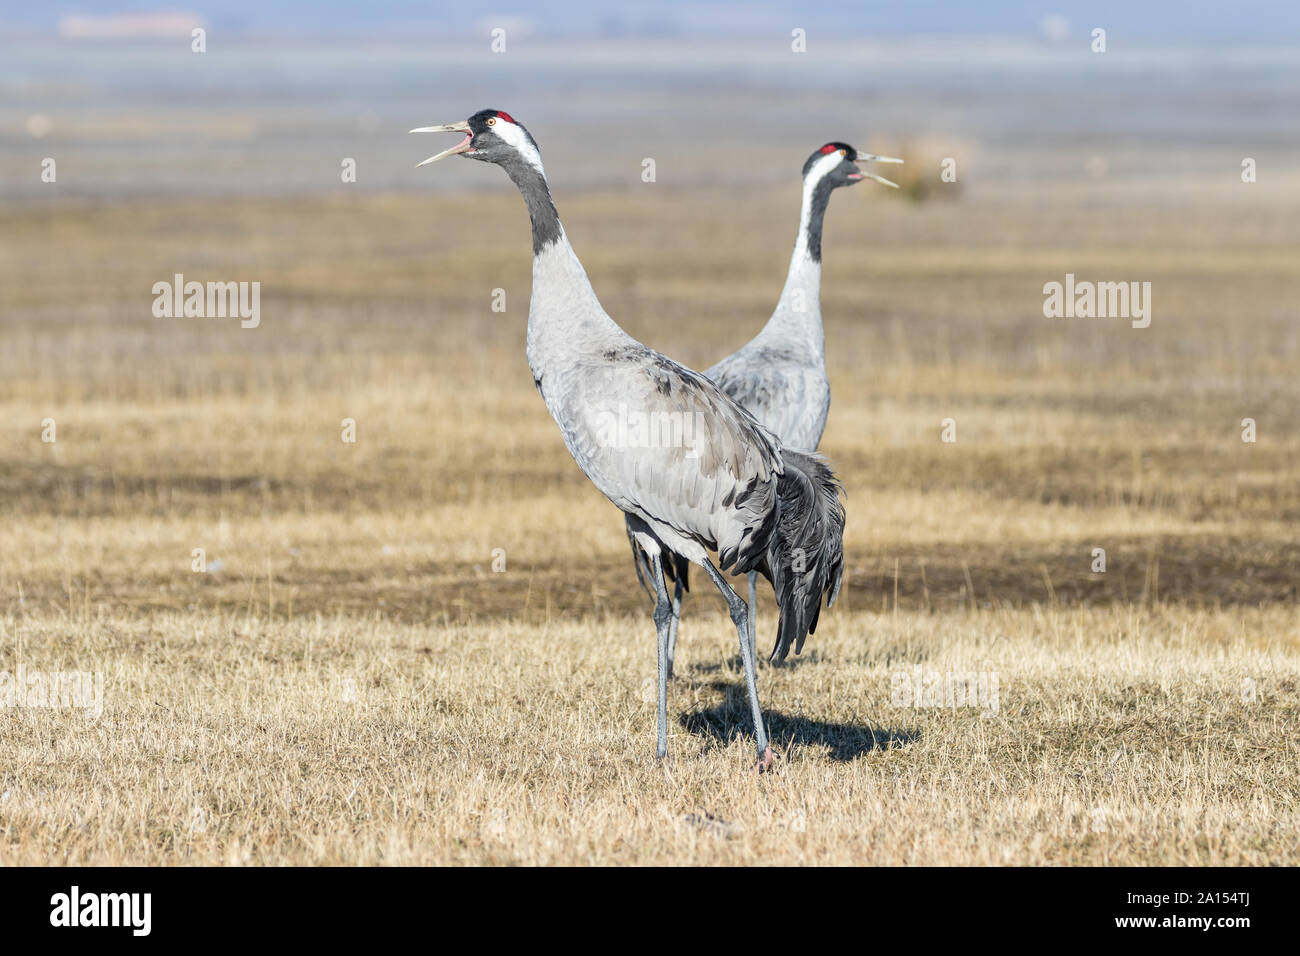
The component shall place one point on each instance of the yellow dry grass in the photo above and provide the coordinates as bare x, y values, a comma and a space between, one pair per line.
352, 681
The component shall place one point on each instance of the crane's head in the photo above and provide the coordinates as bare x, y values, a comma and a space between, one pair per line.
493, 136
836, 164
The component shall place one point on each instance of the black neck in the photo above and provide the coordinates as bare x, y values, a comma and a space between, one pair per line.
537, 196
816, 214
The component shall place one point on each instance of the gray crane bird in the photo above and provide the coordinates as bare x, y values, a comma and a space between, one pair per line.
780, 375
704, 477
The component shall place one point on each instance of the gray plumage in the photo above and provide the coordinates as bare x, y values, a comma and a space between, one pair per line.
779, 376
692, 470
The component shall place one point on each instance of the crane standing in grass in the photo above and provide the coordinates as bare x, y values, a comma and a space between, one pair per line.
780, 375
724, 484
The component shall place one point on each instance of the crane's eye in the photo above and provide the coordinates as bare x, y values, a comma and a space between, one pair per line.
492, 121
844, 152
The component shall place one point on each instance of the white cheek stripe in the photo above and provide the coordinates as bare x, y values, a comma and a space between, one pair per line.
815, 175
823, 166
513, 135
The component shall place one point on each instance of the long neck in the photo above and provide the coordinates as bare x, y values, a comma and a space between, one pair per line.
564, 315
537, 196
798, 314
816, 195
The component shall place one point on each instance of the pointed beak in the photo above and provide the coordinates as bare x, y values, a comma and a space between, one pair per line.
458, 127
873, 158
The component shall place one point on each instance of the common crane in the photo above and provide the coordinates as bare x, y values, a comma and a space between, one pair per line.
724, 484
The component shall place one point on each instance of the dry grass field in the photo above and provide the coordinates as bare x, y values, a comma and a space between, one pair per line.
356, 678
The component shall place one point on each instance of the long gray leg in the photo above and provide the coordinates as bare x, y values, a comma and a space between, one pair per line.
672, 624
663, 620
753, 612
740, 617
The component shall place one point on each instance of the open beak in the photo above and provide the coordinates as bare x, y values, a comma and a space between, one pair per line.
873, 158
458, 127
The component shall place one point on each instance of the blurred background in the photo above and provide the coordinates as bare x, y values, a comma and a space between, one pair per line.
285, 89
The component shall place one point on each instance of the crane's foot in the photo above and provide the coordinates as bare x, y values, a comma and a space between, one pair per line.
765, 762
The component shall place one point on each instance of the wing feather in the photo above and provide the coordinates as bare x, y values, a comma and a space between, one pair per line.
788, 393
663, 442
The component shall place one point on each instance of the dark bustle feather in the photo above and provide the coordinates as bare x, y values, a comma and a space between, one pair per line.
800, 549
805, 554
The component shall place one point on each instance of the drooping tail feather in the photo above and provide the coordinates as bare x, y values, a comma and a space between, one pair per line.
805, 554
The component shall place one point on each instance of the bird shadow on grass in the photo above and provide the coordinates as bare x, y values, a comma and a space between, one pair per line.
730, 719
793, 662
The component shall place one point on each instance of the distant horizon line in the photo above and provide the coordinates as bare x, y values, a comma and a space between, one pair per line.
733, 38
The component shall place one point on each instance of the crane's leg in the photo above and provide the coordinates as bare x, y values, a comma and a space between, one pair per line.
753, 612
740, 617
673, 622
663, 616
